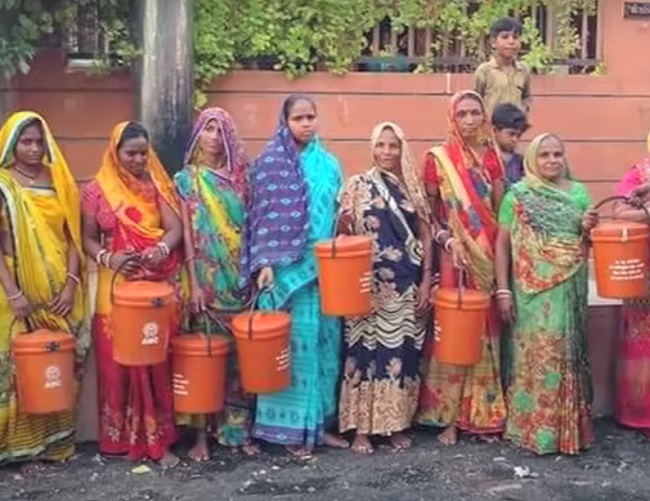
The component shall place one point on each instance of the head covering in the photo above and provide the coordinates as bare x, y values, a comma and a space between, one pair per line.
531, 167
237, 161
116, 181
485, 133
410, 171
278, 204
62, 179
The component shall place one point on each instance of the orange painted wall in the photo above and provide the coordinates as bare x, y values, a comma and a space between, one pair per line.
604, 119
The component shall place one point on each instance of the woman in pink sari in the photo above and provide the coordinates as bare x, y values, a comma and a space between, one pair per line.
633, 375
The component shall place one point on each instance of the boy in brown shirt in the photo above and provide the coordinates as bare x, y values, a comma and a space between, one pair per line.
503, 79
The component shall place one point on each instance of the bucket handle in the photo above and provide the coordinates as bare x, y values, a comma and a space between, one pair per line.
51, 347
256, 297
208, 315
626, 200
337, 220
118, 272
461, 285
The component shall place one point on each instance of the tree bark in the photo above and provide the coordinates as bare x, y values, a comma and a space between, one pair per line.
164, 76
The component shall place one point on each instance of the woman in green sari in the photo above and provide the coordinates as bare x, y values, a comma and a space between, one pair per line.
543, 224
213, 192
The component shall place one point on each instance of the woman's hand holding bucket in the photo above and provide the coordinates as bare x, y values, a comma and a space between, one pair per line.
589, 220
20, 305
506, 306
127, 262
197, 300
458, 253
265, 278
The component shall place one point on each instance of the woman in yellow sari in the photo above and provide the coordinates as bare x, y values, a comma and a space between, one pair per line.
40, 276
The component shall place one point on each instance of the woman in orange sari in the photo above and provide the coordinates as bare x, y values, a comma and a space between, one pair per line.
464, 182
131, 222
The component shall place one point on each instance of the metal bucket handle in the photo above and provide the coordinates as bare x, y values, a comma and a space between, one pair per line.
254, 305
626, 200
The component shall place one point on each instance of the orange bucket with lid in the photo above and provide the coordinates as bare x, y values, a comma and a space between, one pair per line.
199, 363
141, 316
263, 347
621, 257
344, 263
44, 365
460, 321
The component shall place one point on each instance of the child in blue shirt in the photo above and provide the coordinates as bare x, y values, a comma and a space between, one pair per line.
510, 123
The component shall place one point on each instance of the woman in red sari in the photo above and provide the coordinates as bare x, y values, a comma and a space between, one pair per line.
464, 182
130, 212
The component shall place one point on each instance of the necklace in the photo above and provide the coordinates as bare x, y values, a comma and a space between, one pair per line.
28, 175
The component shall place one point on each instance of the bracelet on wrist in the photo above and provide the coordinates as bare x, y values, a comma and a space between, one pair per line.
439, 236
449, 242
74, 278
17, 295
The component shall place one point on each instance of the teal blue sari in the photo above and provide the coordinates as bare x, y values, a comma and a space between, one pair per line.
300, 414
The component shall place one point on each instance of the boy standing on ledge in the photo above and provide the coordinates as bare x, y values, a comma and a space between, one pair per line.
503, 79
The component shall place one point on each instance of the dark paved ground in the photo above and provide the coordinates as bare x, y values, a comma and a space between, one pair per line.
616, 469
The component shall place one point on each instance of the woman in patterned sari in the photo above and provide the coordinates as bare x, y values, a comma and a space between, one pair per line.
464, 181
213, 192
633, 372
543, 224
40, 266
294, 185
381, 381
131, 222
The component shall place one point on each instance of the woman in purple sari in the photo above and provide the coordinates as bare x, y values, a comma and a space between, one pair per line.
294, 185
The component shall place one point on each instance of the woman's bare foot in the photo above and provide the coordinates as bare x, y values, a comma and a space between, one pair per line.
251, 449
200, 451
362, 445
31, 469
169, 460
489, 439
400, 442
449, 436
300, 451
335, 441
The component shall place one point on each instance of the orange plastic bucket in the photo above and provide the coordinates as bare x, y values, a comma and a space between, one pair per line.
460, 317
199, 373
141, 315
621, 257
263, 348
343, 263
44, 363
621, 254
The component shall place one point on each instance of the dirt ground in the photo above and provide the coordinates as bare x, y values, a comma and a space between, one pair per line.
616, 469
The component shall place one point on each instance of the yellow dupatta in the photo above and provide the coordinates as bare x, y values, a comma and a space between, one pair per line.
34, 217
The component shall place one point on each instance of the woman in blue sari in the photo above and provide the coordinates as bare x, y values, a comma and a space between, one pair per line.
294, 185
213, 192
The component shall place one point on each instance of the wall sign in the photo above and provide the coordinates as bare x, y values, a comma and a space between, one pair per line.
636, 10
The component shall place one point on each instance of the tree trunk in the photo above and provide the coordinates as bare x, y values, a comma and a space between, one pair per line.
164, 76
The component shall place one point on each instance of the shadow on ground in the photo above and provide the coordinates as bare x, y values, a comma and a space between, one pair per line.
616, 469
